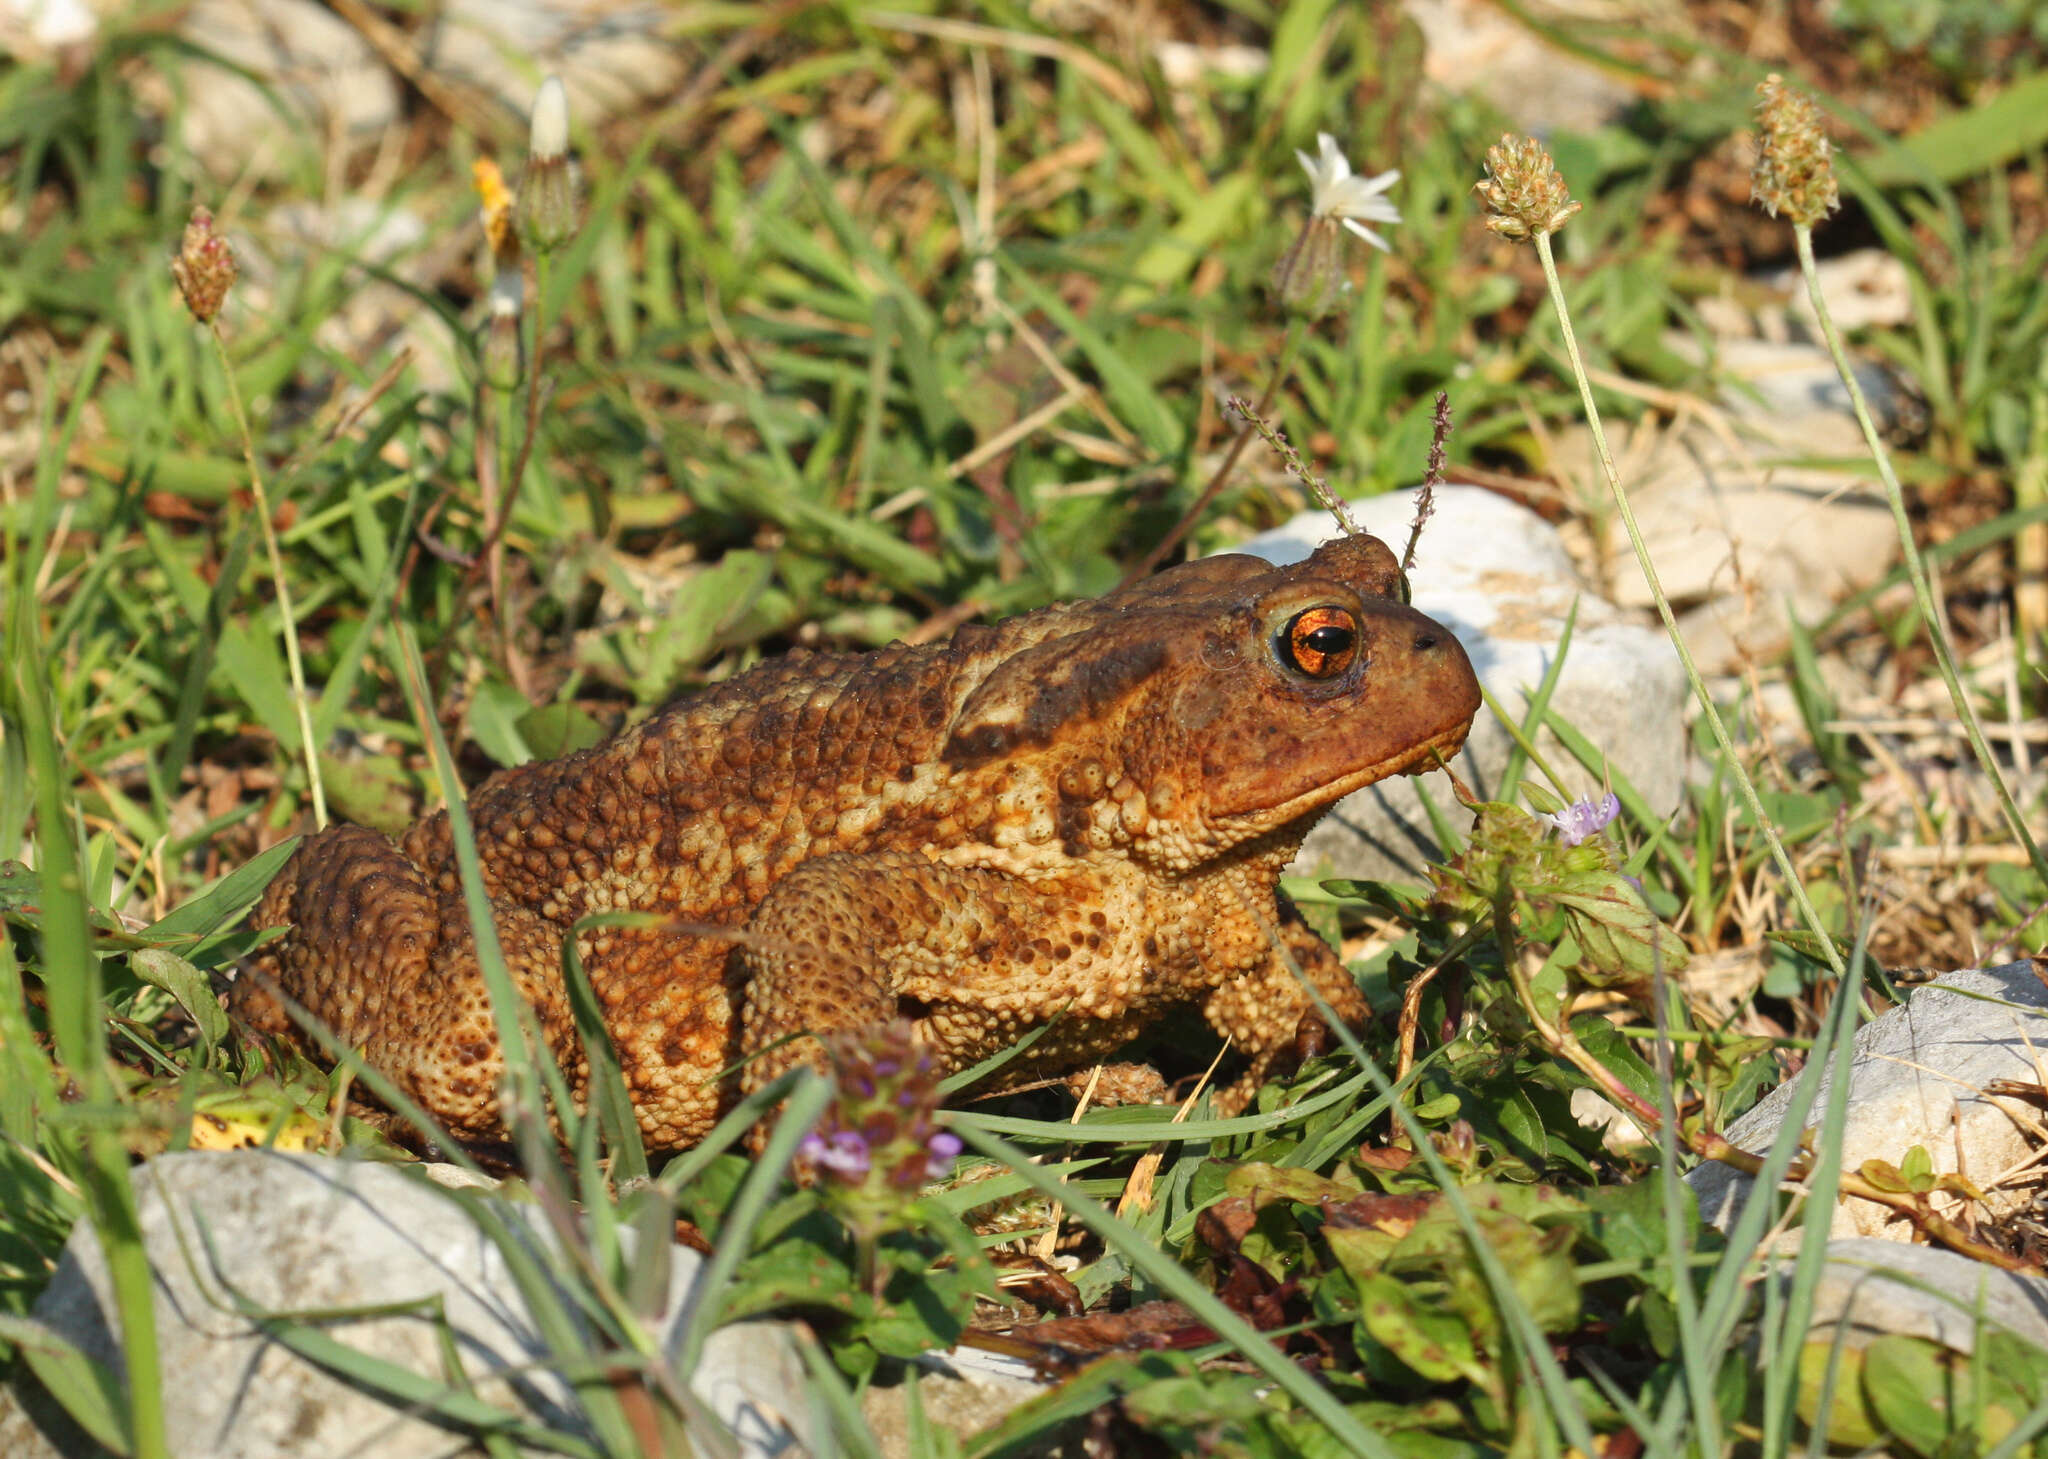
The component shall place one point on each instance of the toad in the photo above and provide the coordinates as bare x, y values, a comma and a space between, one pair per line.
1077, 816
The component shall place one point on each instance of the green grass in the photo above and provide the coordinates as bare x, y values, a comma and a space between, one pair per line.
808, 374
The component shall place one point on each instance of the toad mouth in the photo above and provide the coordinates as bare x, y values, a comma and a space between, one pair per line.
1415, 760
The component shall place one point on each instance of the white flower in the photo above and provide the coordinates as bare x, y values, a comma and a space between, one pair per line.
1337, 192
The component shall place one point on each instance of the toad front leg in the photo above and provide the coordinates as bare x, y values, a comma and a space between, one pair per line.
1270, 1017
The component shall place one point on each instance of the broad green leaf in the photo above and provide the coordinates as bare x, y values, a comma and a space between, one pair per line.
90, 1393
190, 987
1437, 1345
1983, 139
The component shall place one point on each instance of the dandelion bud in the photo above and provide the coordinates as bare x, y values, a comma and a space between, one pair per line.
502, 350
1523, 193
547, 192
1794, 173
204, 267
1309, 279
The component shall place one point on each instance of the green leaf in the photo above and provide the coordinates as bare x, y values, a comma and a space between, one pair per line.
554, 730
495, 712
255, 668
90, 1393
1983, 139
1436, 1345
1908, 1381
190, 987
377, 791
1264, 1183
21, 889
222, 903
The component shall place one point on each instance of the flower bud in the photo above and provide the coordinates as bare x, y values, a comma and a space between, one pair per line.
1794, 172
501, 351
547, 192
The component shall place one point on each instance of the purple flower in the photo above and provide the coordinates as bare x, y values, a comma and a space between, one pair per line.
843, 1152
943, 1148
1582, 818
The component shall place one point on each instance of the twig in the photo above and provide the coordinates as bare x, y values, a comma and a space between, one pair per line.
1281, 365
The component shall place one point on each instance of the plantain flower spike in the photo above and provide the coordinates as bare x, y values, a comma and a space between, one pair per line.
204, 267
1794, 173
1524, 195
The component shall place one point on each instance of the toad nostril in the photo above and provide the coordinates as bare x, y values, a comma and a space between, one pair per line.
1424, 642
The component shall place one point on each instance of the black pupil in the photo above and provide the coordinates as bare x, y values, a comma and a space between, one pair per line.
1328, 640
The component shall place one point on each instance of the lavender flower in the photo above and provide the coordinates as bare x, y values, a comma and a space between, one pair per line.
880, 1141
943, 1148
844, 1153
1583, 818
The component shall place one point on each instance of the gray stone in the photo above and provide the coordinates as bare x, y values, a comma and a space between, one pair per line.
396, 259
1918, 1079
612, 55
1871, 1289
298, 1233
1497, 575
321, 81
1862, 288
333, 87
963, 1392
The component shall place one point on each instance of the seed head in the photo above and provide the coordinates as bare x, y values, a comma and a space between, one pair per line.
1523, 193
204, 267
1794, 173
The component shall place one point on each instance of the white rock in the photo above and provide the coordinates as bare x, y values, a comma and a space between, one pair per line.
1474, 47
963, 1392
376, 316
51, 24
1740, 531
1497, 576
611, 55
1869, 286
324, 82
1918, 1079
299, 1233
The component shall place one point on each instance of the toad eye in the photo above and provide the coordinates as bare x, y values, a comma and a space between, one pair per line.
1318, 643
